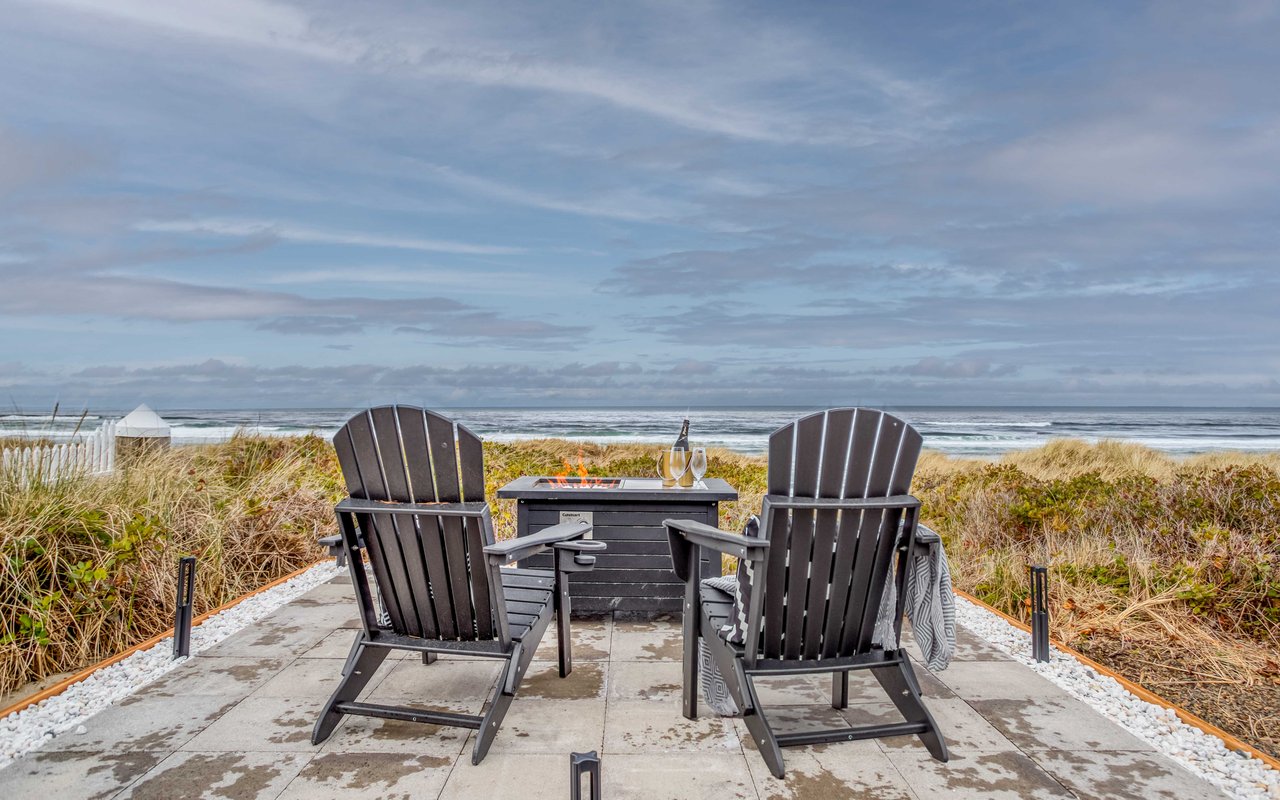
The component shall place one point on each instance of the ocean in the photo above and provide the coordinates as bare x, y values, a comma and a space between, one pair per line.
957, 431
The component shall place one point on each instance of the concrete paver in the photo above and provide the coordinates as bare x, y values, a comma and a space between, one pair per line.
849, 769
76, 773
218, 776
236, 722
370, 776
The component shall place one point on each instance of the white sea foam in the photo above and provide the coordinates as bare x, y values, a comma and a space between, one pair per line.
983, 432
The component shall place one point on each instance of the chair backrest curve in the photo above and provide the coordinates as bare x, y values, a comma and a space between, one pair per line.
826, 567
430, 568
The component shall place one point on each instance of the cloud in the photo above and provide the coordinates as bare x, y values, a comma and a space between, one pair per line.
629, 207
219, 383
37, 162
935, 367
38, 292
713, 94
299, 233
1161, 159
1045, 205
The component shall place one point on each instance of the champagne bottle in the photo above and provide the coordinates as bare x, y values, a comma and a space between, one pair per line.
682, 441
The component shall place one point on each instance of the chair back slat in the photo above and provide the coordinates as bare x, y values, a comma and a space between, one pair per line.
826, 567
387, 438
835, 453
431, 571
369, 471
455, 547
415, 565
781, 450
775, 578
804, 483
413, 436
384, 555
471, 465
476, 562
444, 457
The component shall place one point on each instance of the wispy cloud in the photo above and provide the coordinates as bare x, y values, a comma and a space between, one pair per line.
462, 54
634, 208
250, 228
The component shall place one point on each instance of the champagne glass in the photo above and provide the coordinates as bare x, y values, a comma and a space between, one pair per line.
679, 463
698, 465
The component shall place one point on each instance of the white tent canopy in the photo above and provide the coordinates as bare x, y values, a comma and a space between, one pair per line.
142, 422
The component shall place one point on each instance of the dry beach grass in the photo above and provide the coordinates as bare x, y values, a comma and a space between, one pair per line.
88, 565
1167, 570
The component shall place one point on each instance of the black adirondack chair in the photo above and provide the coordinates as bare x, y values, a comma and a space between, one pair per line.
837, 493
417, 512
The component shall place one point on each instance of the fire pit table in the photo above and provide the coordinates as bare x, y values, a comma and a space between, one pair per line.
634, 576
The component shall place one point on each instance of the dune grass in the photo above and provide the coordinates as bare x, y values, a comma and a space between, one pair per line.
1169, 563
88, 565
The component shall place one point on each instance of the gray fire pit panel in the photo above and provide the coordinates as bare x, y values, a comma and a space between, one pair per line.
635, 575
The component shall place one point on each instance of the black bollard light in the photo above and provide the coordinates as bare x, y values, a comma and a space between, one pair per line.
1040, 613
580, 764
186, 600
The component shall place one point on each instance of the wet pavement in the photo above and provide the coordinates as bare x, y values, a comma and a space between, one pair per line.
235, 722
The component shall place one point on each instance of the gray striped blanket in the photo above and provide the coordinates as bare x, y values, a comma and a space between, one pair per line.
931, 607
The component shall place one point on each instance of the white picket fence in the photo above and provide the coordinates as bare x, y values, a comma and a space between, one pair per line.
94, 454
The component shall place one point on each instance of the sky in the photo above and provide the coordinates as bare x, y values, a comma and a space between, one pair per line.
259, 204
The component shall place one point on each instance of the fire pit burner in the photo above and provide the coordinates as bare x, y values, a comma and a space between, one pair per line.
579, 483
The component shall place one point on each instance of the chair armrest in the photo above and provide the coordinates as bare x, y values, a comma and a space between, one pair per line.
684, 534
582, 546
525, 546
355, 506
895, 501
704, 535
576, 555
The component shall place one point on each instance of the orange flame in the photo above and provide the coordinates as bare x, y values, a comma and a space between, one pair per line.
582, 478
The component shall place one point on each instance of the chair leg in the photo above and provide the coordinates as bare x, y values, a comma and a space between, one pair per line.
896, 680
840, 689
691, 631
563, 611
367, 661
492, 721
761, 734
353, 652
911, 675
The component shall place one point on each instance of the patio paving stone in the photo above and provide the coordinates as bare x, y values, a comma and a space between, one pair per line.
646, 641
676, 776
520, 776
218, 776
1007, 775
143, 722
71, 773
1056, 723
657, 681
261, 724
849, 769
1099, 775
639, 726
370, 776
556, 727
236, 721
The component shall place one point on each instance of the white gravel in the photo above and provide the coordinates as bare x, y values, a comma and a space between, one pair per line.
1238, 774
63, 714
